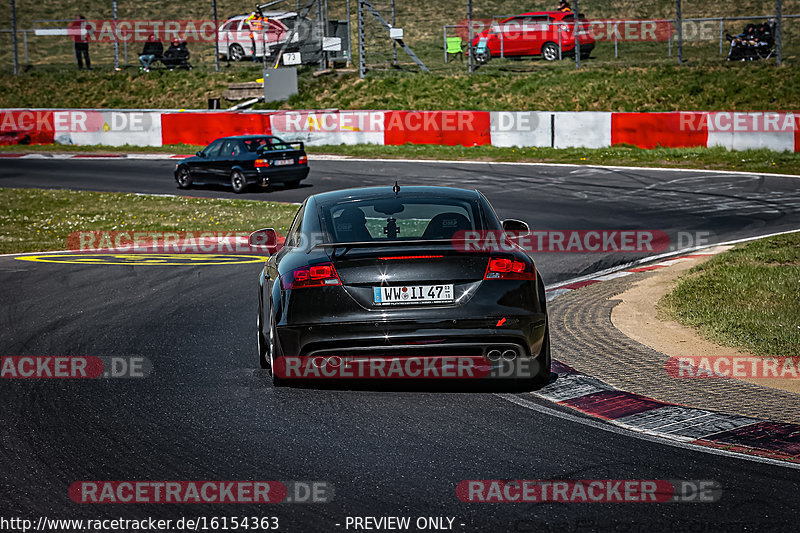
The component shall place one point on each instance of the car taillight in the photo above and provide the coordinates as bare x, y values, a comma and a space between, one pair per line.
321, 275
503, 268
303, 160
262, 163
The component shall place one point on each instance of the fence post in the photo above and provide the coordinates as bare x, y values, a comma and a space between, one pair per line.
362, 62
444, 31
25, 43
116, 40
469, 37
559, 43
577, 48
720, 34
679, 24
778, 32
14, 36
216, 34
394, 41
616, 50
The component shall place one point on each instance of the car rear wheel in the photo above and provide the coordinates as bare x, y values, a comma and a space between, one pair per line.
550, 51
272, 346
236, 52
293, 184
238, 182
542, 376
184, 178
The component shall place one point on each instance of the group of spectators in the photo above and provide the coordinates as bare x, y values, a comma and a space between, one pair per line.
176, 56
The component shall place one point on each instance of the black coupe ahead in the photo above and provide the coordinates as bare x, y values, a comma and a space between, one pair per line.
380, 274
244, 160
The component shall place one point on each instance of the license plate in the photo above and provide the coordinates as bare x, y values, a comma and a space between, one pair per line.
413, 294
280, 162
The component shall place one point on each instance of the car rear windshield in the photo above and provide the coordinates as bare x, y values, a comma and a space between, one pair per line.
391, 219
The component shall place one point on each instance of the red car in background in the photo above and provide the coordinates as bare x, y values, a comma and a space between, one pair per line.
533, 34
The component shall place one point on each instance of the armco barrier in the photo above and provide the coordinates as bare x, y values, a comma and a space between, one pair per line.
522, 128
648, 130
733, 130
204, 127
588, 129
467, 128
330, 127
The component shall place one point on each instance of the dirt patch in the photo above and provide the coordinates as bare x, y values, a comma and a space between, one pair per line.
636, 316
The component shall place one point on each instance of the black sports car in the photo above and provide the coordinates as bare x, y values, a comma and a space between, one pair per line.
245, 160
380, 274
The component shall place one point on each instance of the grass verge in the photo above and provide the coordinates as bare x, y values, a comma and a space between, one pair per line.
40, 220
747, 297
762, 161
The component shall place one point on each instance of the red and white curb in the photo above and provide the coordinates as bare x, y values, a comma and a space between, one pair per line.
687, 425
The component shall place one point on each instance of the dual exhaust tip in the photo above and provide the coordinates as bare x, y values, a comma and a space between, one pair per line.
506, 354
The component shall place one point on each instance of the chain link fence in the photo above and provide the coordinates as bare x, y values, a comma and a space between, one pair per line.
43, 40
614, 33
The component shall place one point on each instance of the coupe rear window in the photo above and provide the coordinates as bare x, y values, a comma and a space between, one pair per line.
388, 219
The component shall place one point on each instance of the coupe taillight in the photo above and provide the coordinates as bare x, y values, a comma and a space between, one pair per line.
262, 163
504, 268
302, 160
321, 275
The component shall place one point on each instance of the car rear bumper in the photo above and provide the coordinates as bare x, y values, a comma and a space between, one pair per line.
268, 176
468, 337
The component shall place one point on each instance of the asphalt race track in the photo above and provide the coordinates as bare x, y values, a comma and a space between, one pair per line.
207, 413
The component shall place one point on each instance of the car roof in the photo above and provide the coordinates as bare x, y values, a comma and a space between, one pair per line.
388, 192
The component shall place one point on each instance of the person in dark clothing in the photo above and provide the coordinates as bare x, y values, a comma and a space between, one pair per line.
177, 55
80, 36
563, 6
153, 49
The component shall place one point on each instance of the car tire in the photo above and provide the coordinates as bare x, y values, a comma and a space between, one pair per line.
550, 51
238, 182
293, 184
236, 52
263, 355
272, 344
586, 55
542, 377
184, 178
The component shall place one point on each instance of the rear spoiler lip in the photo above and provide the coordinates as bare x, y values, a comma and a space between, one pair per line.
380, 244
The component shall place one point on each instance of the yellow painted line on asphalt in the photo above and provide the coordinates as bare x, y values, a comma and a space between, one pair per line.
145, 259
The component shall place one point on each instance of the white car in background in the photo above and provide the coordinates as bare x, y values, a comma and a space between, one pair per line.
234, 35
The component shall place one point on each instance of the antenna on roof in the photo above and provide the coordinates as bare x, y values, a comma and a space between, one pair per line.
396, 188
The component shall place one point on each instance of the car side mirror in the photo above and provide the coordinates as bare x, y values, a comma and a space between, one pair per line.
266, 238
200, 154
518, 227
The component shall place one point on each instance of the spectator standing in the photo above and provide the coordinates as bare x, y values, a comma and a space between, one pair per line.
563, 6
153, 49
79, 32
